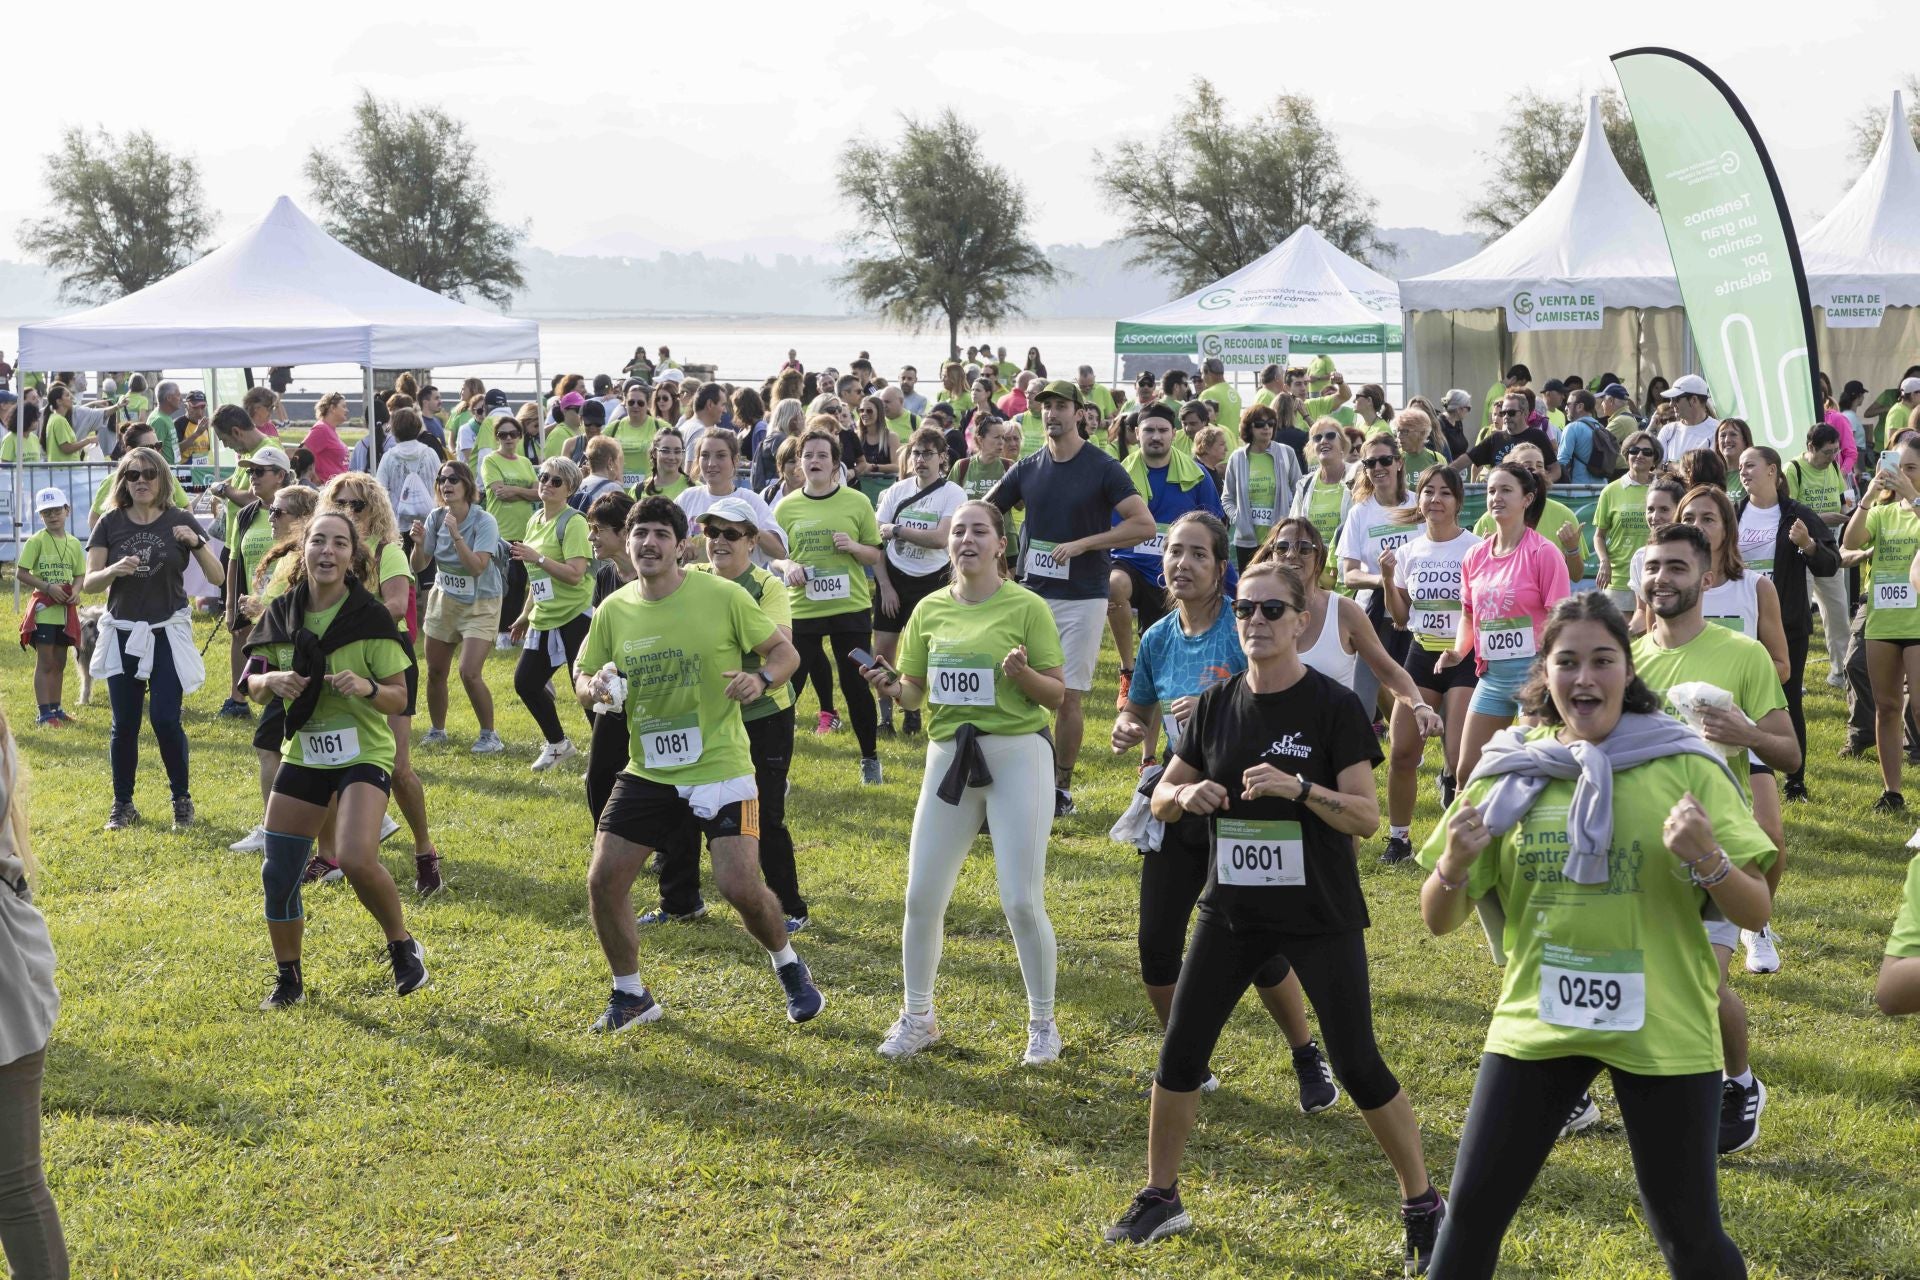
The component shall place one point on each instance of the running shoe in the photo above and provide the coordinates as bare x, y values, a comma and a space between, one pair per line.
426, 874
1854, 750
1126, 687
1763, 951
1740, 1108
61, 717
551, 754
660, 915
1153, 1215
1317, 1088
182, 812
797, 924
122, 815
1836, 680
320, 871
46, 720
1063, 806
1795, 789
288, 989
409, 966
1448, 787
625, 1011
909, 1034
488, 743
1380, 729
803, 998
1210, 1085
234, 709
870, 771
387, 827
1423, 1229
910, 723
1043, 1043
1890, 802
885, 727
826, 724
252, 842
435, 738
1399, 849
1583, 1116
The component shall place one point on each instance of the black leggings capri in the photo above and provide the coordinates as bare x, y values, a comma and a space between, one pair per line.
1795, 689
1171, 880
537, 666
1333, 970
843, 634
1673, 1127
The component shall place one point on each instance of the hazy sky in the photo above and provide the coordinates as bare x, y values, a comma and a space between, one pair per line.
591, 115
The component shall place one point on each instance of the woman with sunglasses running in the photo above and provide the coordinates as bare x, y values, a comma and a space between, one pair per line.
1279, 761
559, 608
508, 479
1378, 520
1620, 521
463, 609
1322, 496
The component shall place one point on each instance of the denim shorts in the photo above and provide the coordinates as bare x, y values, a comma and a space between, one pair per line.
1498, 693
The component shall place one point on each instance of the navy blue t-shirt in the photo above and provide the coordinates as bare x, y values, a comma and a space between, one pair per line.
1065, 501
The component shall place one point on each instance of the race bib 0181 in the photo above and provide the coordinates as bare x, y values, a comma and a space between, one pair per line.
667, 743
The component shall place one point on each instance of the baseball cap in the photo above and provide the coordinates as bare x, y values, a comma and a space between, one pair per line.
7, 397
269, 456
734, 511
940, 408
1615, 390
1059, 389
1554, 384
50, 497
572, 400
196, 397
1457, 399
496, 399
1691, 384
1909, 385
672, 375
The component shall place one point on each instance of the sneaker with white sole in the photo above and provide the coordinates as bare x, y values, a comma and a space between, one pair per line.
909, 1034
660, 915
625, 1011
1763, 953
387, 827
870, 771
488, 743
435, 738
1584, 1115
1740, 1108
1153, 1215
1317, 1088
252, 842
409, 965
551, 754
1210, 1085
1043, 1043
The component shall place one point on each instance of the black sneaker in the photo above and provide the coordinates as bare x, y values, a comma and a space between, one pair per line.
1583, 1116
1153, 1215
625, 1011
1890, 802
1449, 787
409, 965
1740, 1108
122, 815
1317, 1089
1063, 806
288, 989
1795, 789
1423, 1229
1399, 849
804, 1000
426, 874
885, 728
182, 812
234, 709
910, 723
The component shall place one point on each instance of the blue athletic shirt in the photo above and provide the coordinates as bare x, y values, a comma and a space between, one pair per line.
1172, 664
1168, 503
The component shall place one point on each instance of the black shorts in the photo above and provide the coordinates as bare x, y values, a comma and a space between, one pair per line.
270, 732
1899, 642
912, 589
1419, 664
413, 688
319, 786
834, 624
50, 633
650, 814
1149, 598
1758, 767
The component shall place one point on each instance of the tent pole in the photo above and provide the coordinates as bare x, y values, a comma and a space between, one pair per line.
373, 434
540, 402
19, 472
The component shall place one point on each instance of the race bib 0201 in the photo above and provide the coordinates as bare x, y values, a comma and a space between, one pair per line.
669, 742
960, 679
1258, 854
1506, 638
330, 748
1041, 564
1593, 991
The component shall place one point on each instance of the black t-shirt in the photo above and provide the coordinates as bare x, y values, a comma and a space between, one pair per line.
156, 590
606, 581
1066, 501
1497, 446
1316, 728
1295, 439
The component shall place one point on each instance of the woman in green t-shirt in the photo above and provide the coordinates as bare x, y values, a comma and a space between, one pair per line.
666, 466
271, 575
507, 478
334, 653
556, 552
1603, 880
1620, 520
1886, 523
983, 654
1322, 496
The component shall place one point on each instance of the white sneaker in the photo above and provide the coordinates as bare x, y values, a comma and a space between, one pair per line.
387, 826
1212, 1083
551, 754
1763, 956
252, 842
434, 738
502, 641
1836, 680
1043, 1043
909, 1034
488, 743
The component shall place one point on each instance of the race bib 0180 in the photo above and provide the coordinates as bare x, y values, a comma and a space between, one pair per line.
960, 679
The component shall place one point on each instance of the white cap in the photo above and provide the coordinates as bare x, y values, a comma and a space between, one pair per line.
670, 375
268, 456
50, 497
1691, 384
734, 511
1909, 385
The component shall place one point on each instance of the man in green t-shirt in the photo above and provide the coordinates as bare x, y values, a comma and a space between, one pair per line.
1681, 647
166, 410
1004, 369
1093, 393
1215, 387
1615, 411
1815, 479
1273, 381
671, 649
1898, 990
1328, 398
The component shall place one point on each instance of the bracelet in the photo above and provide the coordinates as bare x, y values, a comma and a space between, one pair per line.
1720, 872
1450, 886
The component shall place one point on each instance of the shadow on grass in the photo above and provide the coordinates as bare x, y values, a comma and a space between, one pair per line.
80, 1080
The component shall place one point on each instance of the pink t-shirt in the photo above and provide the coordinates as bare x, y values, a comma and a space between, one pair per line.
329, 454
1849, 458
1526, 582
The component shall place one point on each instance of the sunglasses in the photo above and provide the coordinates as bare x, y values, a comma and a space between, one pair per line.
1387, 461
356, 505
636, 404
1324, 436
550, 479
1271, 610
1639, 452
137, 477
451, 479
728, 535
274, 513
1508, 413
506, 435
1298, 547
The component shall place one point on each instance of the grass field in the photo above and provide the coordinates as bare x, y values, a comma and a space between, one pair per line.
476, 1130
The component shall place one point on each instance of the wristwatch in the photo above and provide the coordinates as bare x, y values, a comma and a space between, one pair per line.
765, 679
1306, 788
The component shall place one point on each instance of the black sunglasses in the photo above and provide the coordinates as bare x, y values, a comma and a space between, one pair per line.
1387, 461
1326, 435
276, 512
728, 535
450, 479
1271, 610
356, 505
1642, 452
546, 478
1508, 413
1298, 547
137, 476
506, 435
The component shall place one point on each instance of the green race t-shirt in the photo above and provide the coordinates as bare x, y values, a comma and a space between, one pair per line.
1262, 496
1724, 658
903, 426
1620, 523
1817, 487
635, 438
1323, 407
1904, 941
771, 595
1893, 532
836, 582
956, 649
59, 432
256, 542
671, 489
11, 448
343, 730
1622, 971
1223, 394
1323, 510
1102, 397
554, 602
58, 561
682, 728
169, 439
511, 514
1554, 516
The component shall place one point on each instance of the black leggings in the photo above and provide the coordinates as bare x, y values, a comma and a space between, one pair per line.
536, 669
514, 597
1171, 879
771, 738
1673, 1128
1795, 688
819, 671
1333, 969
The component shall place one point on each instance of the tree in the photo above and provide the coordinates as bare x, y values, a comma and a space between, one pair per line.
410, 194
1872, 122
941, 229
1536, 143
126, 213
1209, 195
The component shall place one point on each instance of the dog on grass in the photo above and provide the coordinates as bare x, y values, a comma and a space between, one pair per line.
89, 639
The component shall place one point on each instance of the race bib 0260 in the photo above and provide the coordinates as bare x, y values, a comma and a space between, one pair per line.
1258, 854
1506, 638
1593, 991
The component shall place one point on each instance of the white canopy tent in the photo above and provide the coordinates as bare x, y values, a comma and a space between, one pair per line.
1592, 240
1863, 266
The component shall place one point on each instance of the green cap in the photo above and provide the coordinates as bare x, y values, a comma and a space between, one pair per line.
1059, 389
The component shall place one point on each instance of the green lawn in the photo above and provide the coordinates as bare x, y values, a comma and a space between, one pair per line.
476, 1130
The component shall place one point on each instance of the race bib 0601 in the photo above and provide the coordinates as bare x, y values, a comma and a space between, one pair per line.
1506, 638
330, 748
1258, 853
541, 589
829, 586
1593, 991
960, 679
666, 743
1041, 564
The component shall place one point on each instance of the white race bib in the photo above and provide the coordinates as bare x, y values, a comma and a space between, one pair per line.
1263, 517
1258, 853
960, 679
1436, 618
1603, 991
329, 748
1892, 593
919, 522
456, 584
1506, 638
1157, 544
828, 586
541, 589
1041, 564
667, 743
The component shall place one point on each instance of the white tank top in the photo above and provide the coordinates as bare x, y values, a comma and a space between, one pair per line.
1735, 605
1327, 655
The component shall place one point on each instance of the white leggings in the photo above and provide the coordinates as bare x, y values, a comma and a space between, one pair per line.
1018, 807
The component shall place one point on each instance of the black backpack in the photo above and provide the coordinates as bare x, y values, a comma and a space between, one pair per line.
1603, 455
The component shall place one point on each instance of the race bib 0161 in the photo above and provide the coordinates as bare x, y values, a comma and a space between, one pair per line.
330, 748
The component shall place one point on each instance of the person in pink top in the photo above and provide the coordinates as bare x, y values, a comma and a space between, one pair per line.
1508, 585
1849, 455
323, 441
